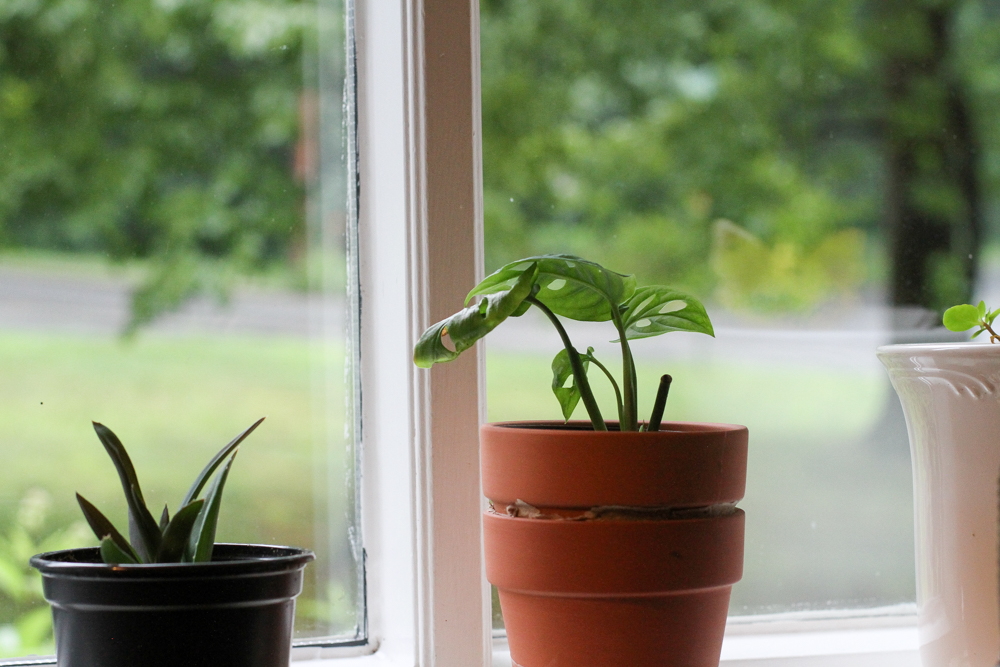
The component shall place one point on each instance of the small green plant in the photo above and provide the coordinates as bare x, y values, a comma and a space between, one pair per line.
187, 537
579, 290
967, 316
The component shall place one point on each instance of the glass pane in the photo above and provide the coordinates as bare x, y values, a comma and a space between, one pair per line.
821, 174
174, 264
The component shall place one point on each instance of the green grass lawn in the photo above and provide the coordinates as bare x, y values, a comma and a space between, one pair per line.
175, 401
828, 503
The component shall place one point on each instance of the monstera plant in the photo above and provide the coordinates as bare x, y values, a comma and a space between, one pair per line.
578, 289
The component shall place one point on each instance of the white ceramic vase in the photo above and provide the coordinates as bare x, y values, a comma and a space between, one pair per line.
950, 394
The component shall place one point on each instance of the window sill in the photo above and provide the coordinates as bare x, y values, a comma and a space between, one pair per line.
884, 637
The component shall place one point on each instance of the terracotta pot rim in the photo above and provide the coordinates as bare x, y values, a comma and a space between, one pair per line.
637, 521
584, 426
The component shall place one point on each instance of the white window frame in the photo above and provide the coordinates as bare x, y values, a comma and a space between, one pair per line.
420, 229
421, 244
421, 248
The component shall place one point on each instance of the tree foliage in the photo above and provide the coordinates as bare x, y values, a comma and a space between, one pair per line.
625, 130
159, 129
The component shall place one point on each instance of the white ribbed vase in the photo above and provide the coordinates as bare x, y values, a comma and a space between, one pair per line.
950, 394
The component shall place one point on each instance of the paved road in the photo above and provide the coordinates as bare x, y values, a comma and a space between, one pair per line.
31, 300
843, 336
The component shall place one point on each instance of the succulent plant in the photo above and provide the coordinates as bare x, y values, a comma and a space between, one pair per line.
187, 537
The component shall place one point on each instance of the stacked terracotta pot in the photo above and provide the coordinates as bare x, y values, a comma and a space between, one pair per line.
612, 548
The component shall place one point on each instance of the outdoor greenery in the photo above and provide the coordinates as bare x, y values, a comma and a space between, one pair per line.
774, 153
779, 152
52, 385
163, 129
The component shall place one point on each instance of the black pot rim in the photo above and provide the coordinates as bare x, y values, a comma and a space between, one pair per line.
227, 560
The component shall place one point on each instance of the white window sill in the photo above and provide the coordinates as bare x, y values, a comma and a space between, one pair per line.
885, 637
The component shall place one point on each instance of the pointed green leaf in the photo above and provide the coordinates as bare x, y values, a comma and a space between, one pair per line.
143, 530
467, 326
982, 309
103, 528
203, 476
961, 318
570, 286
178, 533
992, 316
203, 535
164, 518
112, 554
975, 335
562, 370
658, 309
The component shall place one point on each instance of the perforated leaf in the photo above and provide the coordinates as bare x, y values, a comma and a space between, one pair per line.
658, 309
467, 326
568, 285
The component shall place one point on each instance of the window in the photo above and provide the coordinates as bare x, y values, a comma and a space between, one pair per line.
176, 255
419, 248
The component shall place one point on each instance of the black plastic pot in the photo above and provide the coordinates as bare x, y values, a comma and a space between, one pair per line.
234, 611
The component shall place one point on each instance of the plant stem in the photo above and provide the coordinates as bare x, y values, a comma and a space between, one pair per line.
618, 393
579, 374
656, 418
630, 418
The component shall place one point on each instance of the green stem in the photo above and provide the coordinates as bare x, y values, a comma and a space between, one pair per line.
994, 337
579, 374
618, 393
630, 418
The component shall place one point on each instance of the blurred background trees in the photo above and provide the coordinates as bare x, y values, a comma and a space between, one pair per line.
772, 153
162, 130
777, 152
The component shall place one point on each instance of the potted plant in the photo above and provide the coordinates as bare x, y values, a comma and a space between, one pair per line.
169, 595
950, 393
610, 542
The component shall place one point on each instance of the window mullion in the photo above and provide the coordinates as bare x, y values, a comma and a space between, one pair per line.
420, 251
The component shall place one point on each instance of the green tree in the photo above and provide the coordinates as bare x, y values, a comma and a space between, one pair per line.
622, 128
153, 129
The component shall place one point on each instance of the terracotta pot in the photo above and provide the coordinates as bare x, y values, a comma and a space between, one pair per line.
637, 549
950, 395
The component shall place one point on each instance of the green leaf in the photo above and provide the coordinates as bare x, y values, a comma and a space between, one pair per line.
178, 533
562, 370
658, 309
202, 540
12, 579
203, 476
164, 518
570, 286
961, 318
112, 554
982, 309
992, 316
143, 530
975, 335
467, 326
103, 528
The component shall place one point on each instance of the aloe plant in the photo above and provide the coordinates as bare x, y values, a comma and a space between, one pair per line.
578, 289
187, 537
